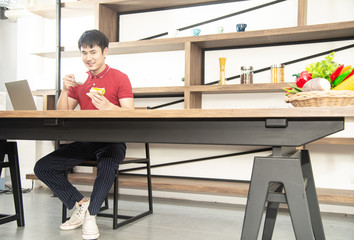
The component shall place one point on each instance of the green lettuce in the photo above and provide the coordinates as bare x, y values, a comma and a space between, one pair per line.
323, 69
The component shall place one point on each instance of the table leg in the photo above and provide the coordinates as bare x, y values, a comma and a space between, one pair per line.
312, 196
257, 194
297, 200
286, 170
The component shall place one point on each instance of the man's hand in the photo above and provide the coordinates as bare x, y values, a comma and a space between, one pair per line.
69, 81
101, 102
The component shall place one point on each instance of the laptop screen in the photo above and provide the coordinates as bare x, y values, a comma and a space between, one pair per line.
20, 95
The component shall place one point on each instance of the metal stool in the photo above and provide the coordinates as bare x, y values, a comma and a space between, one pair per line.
115, 215
10, 149
284, 177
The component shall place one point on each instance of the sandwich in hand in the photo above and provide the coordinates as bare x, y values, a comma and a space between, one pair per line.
100, 91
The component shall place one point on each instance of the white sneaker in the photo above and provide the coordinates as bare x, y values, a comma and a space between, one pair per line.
77, 218
89, 228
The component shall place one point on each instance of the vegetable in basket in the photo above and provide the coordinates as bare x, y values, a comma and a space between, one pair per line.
346, 68
317, 84
336, 73
302, 78
348, 84
343, 77
292, 90
324, 68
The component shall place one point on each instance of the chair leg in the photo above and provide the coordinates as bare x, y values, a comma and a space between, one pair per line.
64, 214
115, 203
2, 159
148, 176
105, 205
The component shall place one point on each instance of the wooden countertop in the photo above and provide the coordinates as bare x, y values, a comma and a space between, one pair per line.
189, 113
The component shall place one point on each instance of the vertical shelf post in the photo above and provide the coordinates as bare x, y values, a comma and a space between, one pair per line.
106, 20
58, 50
193, 75
302, 13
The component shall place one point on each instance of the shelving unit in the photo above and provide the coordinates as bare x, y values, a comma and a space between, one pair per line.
193, 46
106, 15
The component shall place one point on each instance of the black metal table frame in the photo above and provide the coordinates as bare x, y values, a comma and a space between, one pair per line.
279, 133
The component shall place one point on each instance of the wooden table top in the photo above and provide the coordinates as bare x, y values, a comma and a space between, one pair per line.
189, 113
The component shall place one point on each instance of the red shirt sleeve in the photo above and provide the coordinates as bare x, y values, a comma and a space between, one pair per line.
73, 93
125, 88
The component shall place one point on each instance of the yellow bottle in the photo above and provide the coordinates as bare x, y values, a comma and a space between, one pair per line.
222, 62
277, 73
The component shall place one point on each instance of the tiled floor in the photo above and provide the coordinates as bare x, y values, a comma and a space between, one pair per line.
172, 220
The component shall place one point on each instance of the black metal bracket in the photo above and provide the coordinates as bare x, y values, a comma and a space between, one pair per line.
276, 123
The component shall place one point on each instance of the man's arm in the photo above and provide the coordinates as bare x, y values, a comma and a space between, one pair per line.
127, 103
64, 101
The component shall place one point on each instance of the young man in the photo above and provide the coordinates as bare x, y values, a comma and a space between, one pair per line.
117, 94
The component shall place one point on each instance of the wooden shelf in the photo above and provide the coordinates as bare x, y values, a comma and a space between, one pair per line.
240, 189
294, 35
205, 89
211, 89
299, 34
332, 140
87, 7
158, 91
43, 92
240, 88
69, 9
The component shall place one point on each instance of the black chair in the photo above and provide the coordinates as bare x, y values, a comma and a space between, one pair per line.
128, 219
10, 149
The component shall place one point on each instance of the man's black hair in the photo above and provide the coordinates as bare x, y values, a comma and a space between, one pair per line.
92, 38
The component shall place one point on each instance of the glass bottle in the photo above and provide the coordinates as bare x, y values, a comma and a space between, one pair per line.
246, 76
277, 73
222, 62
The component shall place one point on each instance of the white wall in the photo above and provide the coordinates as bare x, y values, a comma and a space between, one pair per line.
8, 49
332, 164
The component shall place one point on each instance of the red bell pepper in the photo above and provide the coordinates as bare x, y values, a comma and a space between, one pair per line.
336, 72
302, 78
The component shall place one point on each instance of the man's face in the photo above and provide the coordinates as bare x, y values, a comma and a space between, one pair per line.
93, 58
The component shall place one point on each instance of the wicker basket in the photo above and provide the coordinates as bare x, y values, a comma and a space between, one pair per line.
329, 98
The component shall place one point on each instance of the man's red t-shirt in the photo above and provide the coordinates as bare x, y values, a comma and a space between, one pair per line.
116, 84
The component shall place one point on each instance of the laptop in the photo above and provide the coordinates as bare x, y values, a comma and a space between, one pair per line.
20, 95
